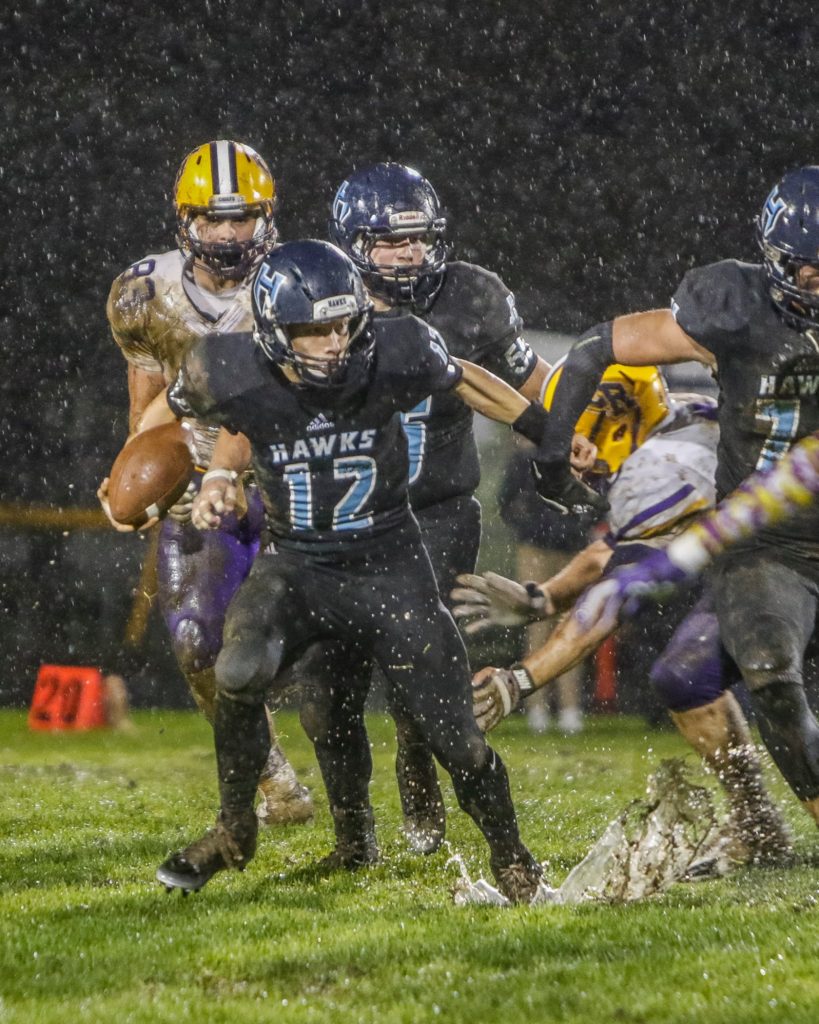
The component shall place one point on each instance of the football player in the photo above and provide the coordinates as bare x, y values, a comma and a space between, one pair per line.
224, 198
763, 499
658, 455
388, 219
317, 390
758, 324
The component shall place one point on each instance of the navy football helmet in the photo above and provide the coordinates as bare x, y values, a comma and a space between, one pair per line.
312, 282
387, 201
788, 234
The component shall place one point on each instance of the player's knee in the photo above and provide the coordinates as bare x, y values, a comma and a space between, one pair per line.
247, 666
407, 732
194, 645
791, 734
316, 721
464, 754
768, 659
682, 684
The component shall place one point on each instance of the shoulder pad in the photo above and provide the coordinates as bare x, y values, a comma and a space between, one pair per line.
716, 299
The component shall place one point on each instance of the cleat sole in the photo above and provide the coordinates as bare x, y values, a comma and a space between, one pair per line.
172, 880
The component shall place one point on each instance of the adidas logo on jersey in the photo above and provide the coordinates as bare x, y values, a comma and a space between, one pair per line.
319, 423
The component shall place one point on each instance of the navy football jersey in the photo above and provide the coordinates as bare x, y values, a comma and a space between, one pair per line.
768, 375
328, 475
475, 314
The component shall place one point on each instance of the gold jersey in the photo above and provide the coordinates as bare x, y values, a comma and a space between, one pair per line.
157, 311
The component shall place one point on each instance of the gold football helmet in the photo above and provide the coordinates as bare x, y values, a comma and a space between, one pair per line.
629, 403
225, 180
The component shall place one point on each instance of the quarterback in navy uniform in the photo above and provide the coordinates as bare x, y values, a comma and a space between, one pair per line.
388, 220
315, 393
758, 326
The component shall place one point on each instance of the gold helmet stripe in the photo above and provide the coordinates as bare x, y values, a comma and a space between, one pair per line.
223, 167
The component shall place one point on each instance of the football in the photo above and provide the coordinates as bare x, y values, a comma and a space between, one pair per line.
150, 474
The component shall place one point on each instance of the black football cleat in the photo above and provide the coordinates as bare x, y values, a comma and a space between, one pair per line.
227, 846
356, 846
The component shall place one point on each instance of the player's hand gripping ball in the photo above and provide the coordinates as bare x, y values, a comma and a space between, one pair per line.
150, 475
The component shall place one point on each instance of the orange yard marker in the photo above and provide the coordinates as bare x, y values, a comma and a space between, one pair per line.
67, 697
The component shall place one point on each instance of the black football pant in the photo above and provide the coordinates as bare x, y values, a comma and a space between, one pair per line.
451, 531
380, 599
335, 678
766, 605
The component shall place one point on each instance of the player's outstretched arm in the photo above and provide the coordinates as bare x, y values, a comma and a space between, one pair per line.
494, 398
496, 692
639, 339
763, 498
218, 494
492, 600
487, 394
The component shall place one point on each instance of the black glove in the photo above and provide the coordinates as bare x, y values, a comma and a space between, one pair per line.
562, 491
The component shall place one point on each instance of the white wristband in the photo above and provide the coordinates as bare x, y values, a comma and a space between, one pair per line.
523, 679
687, 552
220, 474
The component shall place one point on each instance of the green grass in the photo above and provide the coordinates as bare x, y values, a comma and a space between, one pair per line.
87, 935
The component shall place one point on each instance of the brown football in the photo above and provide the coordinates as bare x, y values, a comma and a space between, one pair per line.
150, 474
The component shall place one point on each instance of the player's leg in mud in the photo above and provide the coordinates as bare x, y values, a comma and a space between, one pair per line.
693, 676
423, 658
198, 574
334, 680
266, 623
451, 531
767, 611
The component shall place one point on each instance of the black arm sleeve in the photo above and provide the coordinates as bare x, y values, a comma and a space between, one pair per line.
585, 365
531, 423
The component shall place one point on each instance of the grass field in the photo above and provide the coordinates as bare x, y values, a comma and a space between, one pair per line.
87, 935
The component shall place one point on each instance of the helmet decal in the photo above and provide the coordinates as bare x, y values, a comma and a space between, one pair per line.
771, 212
787, 231
312, 282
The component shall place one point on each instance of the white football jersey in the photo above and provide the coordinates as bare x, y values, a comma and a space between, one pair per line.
157, 311
668, 480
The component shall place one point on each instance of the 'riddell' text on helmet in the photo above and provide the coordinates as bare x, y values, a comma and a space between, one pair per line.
313, 282
788, 234
388, 201
225, 180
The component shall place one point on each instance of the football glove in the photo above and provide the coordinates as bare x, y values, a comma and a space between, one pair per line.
492, 600
562, 491
496, 692
628, 590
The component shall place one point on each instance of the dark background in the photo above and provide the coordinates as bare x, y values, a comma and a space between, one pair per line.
588, 152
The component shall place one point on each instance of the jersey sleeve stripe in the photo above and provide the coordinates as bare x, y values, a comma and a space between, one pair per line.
655, 510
